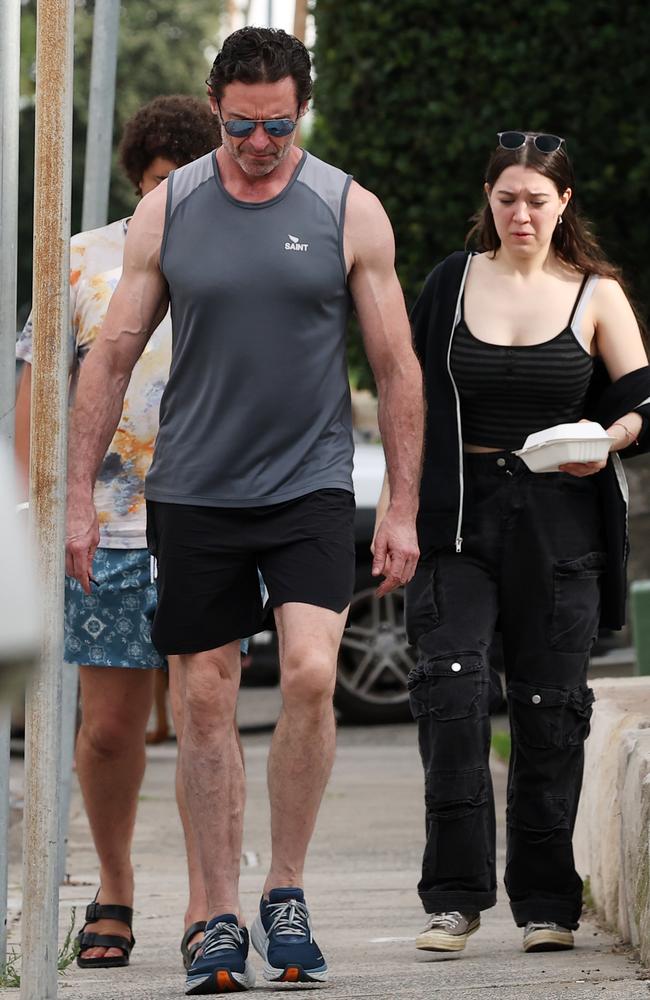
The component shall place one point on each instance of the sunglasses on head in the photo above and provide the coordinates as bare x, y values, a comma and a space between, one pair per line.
543, 143
241, 128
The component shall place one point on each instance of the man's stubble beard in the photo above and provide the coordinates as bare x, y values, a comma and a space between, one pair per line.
256, 168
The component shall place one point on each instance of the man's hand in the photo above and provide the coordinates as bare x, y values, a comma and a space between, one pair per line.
395, 552
82, 538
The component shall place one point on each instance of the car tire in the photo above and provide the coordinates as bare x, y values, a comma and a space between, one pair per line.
374, 660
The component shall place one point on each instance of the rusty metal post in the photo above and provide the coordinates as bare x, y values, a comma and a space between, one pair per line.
94, 213
300, 19
299, 30
9, 104
69, 696
9, 123
101, 104
52, 176
5, 733
230, 13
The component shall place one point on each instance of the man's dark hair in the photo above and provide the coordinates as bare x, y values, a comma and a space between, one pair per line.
261, 55
177, 127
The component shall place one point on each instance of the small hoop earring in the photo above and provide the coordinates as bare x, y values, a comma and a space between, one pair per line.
559, 220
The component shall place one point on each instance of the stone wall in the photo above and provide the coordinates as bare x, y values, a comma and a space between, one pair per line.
611, 840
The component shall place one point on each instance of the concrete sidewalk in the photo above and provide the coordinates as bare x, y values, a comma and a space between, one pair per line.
362, 873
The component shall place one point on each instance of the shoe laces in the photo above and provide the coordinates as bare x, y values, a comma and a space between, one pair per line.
543, 925
445, 920
222, 937
290, 917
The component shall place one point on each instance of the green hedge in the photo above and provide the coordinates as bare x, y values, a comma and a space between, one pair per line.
410, 94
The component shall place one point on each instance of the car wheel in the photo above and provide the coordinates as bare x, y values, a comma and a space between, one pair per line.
374, 661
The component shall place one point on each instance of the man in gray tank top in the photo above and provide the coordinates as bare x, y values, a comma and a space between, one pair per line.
258, 248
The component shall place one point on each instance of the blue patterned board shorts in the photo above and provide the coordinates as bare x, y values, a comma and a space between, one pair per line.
111, 627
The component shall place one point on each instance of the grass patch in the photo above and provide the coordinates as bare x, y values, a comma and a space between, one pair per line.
501, 744
9, 972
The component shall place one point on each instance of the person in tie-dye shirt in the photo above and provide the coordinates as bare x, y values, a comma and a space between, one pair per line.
111, 627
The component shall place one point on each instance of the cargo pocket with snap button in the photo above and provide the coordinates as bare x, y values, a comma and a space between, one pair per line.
447, 687
536, 714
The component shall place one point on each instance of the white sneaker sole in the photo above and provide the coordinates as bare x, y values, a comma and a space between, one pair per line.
289, 975
437, 940
547, 940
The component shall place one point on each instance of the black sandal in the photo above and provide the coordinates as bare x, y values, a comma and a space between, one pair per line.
88, 939
188, 951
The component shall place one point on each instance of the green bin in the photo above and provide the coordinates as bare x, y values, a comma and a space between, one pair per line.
640, 610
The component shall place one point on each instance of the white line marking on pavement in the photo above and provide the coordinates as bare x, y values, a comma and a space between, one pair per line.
390, 939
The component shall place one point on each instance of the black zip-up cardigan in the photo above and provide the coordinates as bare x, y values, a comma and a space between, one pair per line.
439, 518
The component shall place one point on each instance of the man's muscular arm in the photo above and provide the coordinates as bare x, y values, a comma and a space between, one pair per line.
136, 308
378, 299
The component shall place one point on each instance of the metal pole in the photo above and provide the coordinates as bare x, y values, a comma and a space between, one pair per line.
5, 726
300, 19
101, 103
299, 29
269, 13
9, 98
70, 690
94, 213
9, 125
52, 175
640, 619
230, 17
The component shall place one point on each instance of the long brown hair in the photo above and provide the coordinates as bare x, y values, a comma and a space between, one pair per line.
573, 241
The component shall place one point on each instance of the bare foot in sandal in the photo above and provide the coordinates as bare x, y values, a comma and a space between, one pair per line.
106, 939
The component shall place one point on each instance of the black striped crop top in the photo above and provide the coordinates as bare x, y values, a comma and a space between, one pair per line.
507, 393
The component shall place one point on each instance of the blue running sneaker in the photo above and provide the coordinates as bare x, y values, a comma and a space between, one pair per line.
281, 933
221, 964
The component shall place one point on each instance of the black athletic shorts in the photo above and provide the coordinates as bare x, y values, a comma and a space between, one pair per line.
208, 557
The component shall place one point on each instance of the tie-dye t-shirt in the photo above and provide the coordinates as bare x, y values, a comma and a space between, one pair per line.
95, 269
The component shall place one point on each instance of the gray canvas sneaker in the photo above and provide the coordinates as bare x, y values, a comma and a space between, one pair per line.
448, 931
545, 935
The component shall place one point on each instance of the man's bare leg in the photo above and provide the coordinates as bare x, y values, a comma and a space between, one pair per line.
212, 771
197, 904
110, 756
304, 742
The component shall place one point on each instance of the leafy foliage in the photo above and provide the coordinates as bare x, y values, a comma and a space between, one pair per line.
409, 97
501, 744
164, 48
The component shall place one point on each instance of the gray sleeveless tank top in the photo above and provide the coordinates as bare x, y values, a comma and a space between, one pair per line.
257, 407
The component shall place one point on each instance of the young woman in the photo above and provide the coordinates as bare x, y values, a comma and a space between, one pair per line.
532, 331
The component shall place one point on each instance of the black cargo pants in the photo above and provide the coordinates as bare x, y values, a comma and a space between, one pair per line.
532, 556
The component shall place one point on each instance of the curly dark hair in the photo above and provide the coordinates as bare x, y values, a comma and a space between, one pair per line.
177, 127
261, 55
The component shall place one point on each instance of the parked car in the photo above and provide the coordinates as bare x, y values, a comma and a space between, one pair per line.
375, 658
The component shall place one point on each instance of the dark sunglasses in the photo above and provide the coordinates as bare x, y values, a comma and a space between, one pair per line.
241, 128
543, 142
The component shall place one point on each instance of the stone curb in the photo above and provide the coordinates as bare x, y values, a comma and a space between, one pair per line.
611, 838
